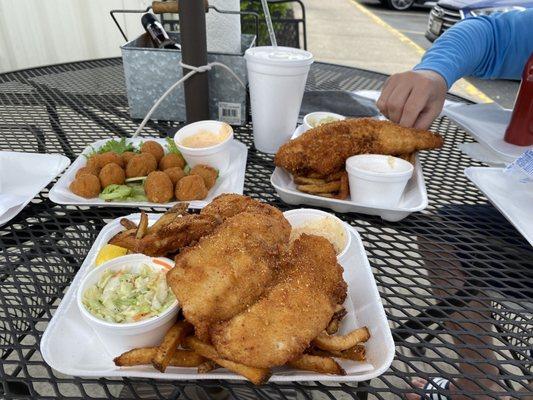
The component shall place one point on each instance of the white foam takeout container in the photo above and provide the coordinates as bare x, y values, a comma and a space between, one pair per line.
513, 199
25, 174
231, 181
414, 198
70, 346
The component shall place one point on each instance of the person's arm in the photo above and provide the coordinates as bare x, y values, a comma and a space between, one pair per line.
497, 46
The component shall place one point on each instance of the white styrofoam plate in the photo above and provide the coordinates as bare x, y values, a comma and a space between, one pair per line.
487, 124
231, 181
414, 198
513, 199
26, 174
70, 346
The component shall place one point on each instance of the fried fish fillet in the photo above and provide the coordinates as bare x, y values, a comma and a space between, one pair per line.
323, 150
175, 229
227, 205
169, 239
227, 271
281, 325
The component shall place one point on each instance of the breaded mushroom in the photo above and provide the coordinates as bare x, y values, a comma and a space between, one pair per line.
209, 174
91, 170
112, 174
191, 187
171, 160
154, 149
101, 160
175, 174
86, 185
141, 165
158, 187
127, 156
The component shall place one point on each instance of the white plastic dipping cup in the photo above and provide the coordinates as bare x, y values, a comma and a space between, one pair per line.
301, 216
277, 77
118, 338
217, 156
377, 180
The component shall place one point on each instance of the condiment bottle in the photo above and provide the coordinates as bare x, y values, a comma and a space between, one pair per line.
520, 129
157, 33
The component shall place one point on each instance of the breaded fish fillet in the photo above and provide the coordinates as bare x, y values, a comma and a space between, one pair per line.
280, 326
227, 271
324, 150
227, 205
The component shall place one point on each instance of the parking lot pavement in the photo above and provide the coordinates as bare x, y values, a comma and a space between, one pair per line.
413, 24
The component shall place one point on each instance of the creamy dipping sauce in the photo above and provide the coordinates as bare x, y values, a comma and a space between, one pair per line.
315, 122
326, 227
205, 138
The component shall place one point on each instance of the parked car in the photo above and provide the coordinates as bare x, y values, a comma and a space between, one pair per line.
446, 13
401, 5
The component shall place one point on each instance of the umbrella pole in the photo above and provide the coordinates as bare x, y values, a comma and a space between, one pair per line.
194, 52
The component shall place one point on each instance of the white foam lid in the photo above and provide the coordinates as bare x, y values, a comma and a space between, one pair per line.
279, 55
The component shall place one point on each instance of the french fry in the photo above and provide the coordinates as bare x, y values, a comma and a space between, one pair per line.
356, 353
186, 358
140, 356
302, 180
207, 366
344, 342
328, 195
333, 326
126, 223
257, 376
334, 176
344, 189
339, 312
144, 355
171, 341
169, 216
325, 365
143, 226
323, 188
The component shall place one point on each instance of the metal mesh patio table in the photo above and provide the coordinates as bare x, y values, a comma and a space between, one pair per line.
457, 269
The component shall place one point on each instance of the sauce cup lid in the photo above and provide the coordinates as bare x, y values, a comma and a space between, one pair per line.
279, 56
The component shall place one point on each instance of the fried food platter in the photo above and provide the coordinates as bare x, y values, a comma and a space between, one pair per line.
231, 181
70, 346
414, 198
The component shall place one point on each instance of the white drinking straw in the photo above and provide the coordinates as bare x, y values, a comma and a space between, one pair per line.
270, 27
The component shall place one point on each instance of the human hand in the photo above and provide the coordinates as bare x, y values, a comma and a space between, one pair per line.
413, 98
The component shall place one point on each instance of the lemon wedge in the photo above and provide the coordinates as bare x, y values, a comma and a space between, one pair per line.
108, 252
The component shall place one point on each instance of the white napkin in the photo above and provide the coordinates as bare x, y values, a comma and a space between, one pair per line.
482, 153
8, 201
487, 124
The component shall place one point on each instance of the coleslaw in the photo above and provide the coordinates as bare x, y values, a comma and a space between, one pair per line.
125, 296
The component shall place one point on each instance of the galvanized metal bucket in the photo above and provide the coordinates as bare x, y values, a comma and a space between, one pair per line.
150, 71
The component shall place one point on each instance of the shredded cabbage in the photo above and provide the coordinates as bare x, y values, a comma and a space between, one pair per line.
125, 296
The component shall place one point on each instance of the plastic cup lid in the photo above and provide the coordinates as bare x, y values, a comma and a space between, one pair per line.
279, 55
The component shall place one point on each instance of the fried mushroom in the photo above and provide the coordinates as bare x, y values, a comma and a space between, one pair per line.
141, 165
191, 187
208, 174
86, 185
111, 174
158, 187
153, 148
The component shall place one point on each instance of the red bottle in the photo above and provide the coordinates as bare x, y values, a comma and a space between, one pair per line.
520, 129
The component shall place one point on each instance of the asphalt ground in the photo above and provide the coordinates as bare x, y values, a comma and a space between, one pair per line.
413, 23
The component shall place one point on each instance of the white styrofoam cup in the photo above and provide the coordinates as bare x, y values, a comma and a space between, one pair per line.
277, 77
377, 180
217, 156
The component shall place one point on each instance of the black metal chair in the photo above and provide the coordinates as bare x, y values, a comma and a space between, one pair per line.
290, 31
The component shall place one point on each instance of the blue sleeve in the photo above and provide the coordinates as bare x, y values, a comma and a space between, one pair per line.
495, 46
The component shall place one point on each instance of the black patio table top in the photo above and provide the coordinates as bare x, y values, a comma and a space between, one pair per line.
455, 279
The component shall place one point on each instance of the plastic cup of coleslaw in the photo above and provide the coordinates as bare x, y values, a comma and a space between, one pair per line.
320, 223
377, 180
118, 337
